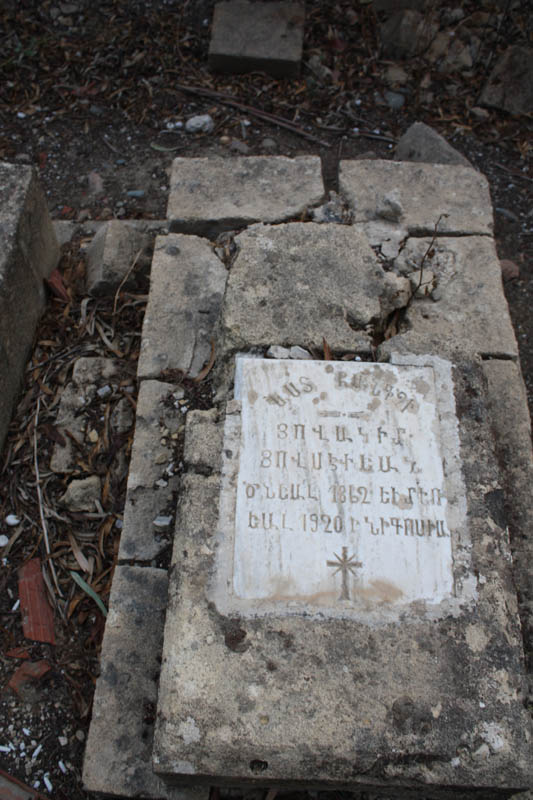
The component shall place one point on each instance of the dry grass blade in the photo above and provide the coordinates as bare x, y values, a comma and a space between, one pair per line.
78, 555
327, 350
207, 369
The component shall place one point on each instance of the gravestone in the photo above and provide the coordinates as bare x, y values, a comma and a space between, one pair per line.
344, 611
335, 501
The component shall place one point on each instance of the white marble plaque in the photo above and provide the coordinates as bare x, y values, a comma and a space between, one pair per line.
335, 496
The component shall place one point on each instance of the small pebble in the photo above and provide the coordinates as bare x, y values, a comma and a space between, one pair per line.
136, 193
276, 351
63, 741
299, 352
80, 735
3, 540
12, 520
202, 123
162, 521
47, 783
104, 391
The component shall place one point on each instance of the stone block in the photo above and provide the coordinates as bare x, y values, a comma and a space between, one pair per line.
265, 36
422, 143
300, 283
466, 313
187, 284
203, 441
418, 196
210, 195
118, 756
152, 479
291, 664
512, 431
117, 249
28, 253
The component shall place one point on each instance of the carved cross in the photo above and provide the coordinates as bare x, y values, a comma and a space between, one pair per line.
346, 565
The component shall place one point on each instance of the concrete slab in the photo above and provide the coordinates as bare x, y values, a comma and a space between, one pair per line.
203, 441
153, 480
425, 699
118, 756
28, 253
512, 429
187, 284
466, 313
210, 195
263, 36
418, 196
118, 252
298, 283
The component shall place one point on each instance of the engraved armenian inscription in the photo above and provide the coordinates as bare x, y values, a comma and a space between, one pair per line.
340, 491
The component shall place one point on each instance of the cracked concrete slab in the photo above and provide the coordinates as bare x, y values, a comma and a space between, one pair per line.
203, 441
152, 479
467, 313
28, 253
210, 195
300, 283
511, 424
187, 284
118, 756
417, 196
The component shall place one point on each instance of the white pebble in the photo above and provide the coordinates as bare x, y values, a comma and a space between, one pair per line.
47, 783
201, 123
36, 751
12, 520
15, 605
63, 741
26, 731
62, 767
3, 540
162, 521
4, 748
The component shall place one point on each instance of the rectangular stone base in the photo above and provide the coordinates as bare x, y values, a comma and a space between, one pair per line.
365, 688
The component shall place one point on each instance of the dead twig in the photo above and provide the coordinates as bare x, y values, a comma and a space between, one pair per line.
40, 499
123, 281
265, 115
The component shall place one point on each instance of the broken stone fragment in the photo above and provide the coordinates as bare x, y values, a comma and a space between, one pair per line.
422, 143
510, 85
397, 292
82, 494
116, 250
277, 351
389, 206
407, 33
